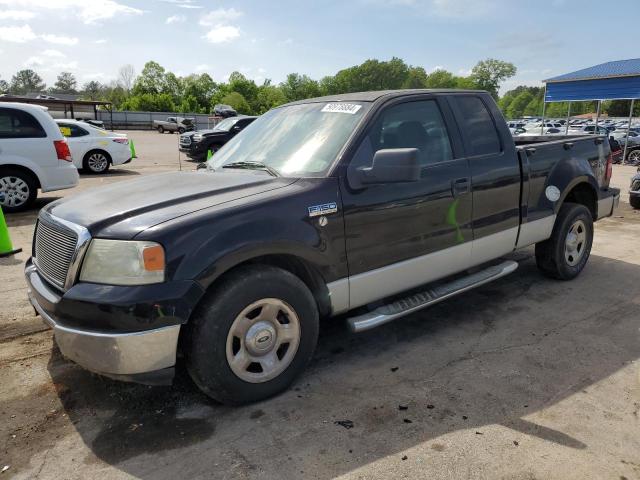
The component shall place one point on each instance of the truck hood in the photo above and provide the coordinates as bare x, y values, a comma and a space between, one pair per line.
124, 209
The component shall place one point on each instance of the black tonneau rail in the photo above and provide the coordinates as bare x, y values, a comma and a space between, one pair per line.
552, 139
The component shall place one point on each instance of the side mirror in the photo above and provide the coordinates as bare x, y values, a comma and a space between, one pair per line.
393, 165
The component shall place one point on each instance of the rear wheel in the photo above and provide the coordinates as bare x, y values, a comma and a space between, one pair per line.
96, 161
564, 255
181, 130
252, 336
18, 190
160, 129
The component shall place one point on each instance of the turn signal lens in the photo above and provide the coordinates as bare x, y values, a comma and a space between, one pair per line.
153, 258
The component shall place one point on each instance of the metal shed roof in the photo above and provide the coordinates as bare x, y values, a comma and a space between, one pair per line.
615, 80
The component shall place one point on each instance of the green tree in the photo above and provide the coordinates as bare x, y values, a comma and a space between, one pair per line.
299, 87
65, 83
518, 105
92, 90
441, 79
4, 86
489, 74
269, 96
26, 81
202, 88
416, 78
151, 79
534, 107
237, 102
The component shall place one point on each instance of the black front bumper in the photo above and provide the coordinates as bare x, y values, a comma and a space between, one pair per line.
129, 333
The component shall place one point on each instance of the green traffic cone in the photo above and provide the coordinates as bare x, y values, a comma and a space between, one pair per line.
133, 149
6, 248
209, 154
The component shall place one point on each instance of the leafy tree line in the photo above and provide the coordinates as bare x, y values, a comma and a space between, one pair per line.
156, 89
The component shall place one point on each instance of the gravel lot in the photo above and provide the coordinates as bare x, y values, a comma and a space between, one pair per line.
523, 378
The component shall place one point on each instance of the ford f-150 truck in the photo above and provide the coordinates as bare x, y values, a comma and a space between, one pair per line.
365, 205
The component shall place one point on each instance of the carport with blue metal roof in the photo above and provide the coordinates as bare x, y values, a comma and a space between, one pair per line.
617, 80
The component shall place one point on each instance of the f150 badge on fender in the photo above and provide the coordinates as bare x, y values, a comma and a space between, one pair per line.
324, 209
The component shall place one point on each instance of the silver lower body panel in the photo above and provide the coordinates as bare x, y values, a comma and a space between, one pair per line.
115, 353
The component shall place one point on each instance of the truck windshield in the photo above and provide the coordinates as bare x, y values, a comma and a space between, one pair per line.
298, 140
226, 124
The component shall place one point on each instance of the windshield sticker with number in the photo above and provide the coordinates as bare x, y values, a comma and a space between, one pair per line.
350, 108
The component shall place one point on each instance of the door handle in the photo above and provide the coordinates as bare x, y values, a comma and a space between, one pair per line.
460, 186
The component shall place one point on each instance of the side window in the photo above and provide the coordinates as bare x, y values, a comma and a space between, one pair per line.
413, 125
19, 124
77, 131
478, 125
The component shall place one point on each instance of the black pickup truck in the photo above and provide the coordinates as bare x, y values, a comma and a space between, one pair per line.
365, 205
197, 145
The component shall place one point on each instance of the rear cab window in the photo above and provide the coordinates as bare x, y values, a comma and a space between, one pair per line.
19, 124
478, 125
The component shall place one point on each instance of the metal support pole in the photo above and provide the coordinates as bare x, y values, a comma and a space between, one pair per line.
544, 106
595, 130
626, 140
568, 118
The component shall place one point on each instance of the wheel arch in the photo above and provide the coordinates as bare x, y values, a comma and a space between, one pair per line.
97, 150
583, 192
24, 169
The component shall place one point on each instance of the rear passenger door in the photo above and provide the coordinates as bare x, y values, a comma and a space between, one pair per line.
495, 175
402, 235
23, 141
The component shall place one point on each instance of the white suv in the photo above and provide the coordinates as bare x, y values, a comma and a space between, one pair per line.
33, 154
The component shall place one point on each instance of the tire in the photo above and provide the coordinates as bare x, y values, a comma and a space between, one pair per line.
635, 202
181, 130
96, 161
160, 129
633, 157
243, 307
19, 189
563, 257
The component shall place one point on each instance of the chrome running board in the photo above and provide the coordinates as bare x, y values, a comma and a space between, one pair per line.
417, 301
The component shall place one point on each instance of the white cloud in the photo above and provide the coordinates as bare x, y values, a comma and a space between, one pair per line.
220, 16
100, 41
175, 19
203, 67
59, 39
73, 65
17, 34
34, 61
94, 76
222, 34
53, 53
16, 15
88, 11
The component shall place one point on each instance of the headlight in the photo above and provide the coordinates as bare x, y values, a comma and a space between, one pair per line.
123, 262
197, 138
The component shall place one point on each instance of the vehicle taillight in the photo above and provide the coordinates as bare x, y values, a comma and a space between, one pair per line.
62, 149
124, 141
609, 172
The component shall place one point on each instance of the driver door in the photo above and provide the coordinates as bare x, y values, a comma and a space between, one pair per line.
401, 235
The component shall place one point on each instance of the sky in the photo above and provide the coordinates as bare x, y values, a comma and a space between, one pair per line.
269, 39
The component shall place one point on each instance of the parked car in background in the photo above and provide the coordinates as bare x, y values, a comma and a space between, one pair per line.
174, 124
33, 155
91, 121
94, 149
634, 191
349, 205
198, 144
587, 130
224, 111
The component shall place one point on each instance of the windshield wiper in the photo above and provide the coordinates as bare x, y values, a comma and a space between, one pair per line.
253, 166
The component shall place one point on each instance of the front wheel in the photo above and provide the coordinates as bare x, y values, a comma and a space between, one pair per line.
564, 255
18, 190
252, 336
181, 130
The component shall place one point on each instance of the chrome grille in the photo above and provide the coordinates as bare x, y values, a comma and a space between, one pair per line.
185, 140
54, 248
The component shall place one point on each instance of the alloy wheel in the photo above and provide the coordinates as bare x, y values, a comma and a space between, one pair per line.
15, 191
